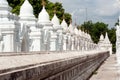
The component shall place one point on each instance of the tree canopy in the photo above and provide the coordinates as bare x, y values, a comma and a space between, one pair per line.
37, 6
98, 28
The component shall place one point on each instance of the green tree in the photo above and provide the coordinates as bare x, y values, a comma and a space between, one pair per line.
95, 29
112, 37
87, 26
98, 28
117, 23
15, 4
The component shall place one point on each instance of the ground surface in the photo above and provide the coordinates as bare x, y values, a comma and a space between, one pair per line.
110, 70
13, 61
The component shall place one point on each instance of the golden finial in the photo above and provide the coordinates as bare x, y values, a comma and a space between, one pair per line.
71, 21
63, 16
55, 10
43, 2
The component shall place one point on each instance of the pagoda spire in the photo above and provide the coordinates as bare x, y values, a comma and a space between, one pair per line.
55, 10
70, 21
43, 3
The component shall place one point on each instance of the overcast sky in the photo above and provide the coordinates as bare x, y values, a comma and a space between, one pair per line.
96, 10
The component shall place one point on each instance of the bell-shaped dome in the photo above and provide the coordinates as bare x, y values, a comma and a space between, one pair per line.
79, 32
106, 40
26, 10
64, 25
3, 2
82, 33
101, 37
55, 20
71, 28
43, 16
76, 31
89, 37
85, 35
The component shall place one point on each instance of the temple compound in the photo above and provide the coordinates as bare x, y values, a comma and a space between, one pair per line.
25, 33
42, 49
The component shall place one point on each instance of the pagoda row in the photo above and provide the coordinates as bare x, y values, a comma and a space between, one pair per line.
26, 33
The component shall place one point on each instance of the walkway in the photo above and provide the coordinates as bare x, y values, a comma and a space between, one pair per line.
108, 71
11, 61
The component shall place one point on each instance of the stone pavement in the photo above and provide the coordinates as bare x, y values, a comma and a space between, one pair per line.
13, 61
109, 70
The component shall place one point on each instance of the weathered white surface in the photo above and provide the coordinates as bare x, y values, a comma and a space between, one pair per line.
43, 16
26, 11
9, 29
55, 20
64, 26
118, 42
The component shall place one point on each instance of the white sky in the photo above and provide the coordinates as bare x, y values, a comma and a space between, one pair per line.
97, 10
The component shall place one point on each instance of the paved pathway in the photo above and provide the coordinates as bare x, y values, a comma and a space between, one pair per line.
108, 71
14, 61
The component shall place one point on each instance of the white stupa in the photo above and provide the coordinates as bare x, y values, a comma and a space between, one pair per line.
84, 34
9, 28
101, 39
65, 31
105, 44
5, 10
55, 20
118, 42
76, 30
43, 16
71, 29
26, 13
108, 44
3, 2
79, 32
101, 42
56, 23
64, 26
106, 40
55, 34
44, 19
28, 23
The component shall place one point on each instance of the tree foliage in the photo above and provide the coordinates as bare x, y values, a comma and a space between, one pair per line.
37, 6
95, 29
98, 28
112, 36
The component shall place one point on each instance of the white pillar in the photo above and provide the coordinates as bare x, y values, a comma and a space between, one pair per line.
8, 43
72, 44
64, 42
60, 41
53, 41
